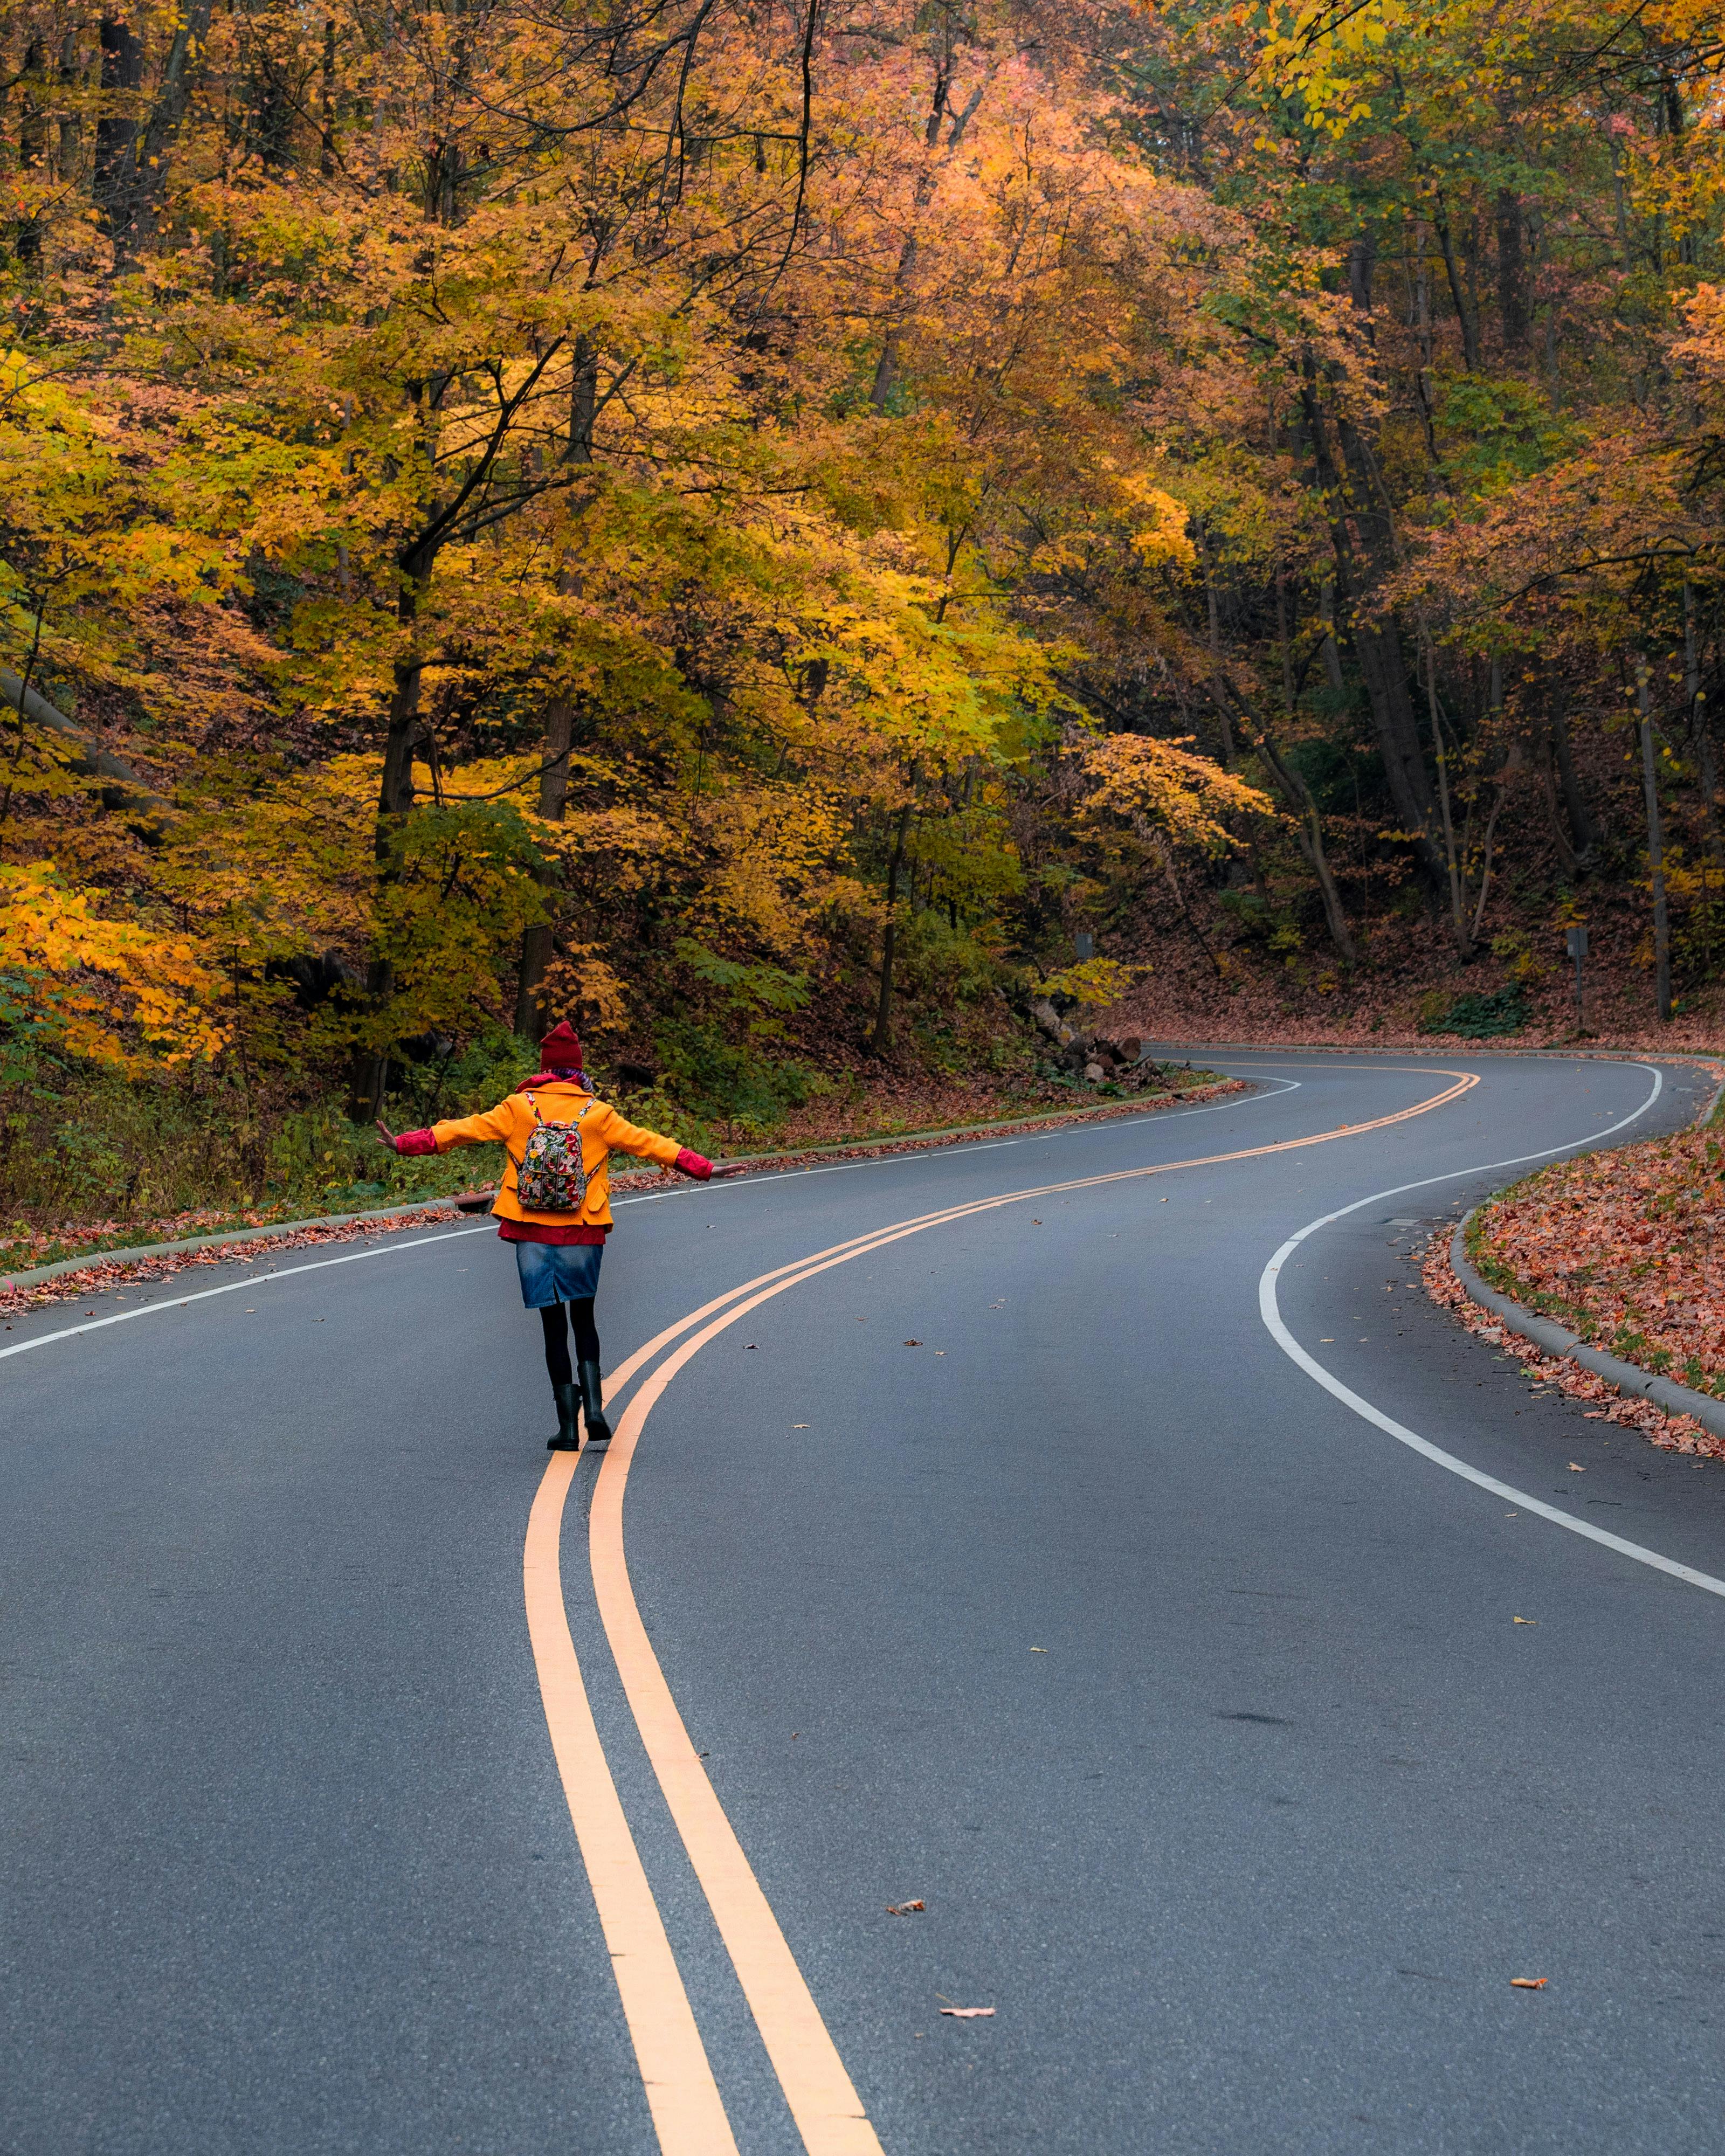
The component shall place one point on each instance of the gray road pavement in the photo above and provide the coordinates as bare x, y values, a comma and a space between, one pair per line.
1244, 1858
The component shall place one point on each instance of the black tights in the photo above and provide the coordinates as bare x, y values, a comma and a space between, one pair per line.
556, 1338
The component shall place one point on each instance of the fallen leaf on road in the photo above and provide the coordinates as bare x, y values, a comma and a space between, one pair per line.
1035, 1224
1039, 1650
1528, 1982
799, 1425
980, 2013
749, 1348
1576, 1468
1524, 1620
902, 1908
913, 1343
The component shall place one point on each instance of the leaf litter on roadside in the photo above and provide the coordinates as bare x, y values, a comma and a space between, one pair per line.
1669, 1433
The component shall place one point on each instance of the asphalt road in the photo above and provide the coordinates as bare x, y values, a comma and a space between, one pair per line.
1190, 1703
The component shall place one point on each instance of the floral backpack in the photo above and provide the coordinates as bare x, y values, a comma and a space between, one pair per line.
553, 1176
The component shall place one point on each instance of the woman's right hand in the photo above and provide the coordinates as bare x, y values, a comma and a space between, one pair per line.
385, 1136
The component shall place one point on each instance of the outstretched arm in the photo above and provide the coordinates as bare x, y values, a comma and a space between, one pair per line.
622, 1136
494, 1127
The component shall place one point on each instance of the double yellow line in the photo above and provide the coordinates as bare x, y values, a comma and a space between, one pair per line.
688, 2112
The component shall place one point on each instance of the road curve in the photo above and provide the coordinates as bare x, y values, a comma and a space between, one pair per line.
1040, 1539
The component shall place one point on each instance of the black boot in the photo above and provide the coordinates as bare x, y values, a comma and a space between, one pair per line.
593, 1402
568, 1437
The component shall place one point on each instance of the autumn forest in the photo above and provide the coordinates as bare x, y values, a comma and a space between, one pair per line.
793, 532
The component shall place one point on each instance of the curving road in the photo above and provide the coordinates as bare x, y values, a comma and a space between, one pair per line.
1068, 1563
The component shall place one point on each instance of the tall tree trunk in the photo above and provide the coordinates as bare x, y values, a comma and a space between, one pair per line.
395, 794
1331, 651
1582, 826
71, 132
32, 147
883, 1013
583, 398
132, 162
1377, 646
1512, 270
1383, 667
190, 39
370, 1074
1308, 831
1700, 722
113, 179
1656, 847
530, 1013
326, 104
1452, 864
1470, 328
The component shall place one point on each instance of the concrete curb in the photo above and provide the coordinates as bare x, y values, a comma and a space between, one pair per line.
137, 1253
1546, 1332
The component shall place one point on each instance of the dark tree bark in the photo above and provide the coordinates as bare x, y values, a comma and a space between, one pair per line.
1362, 261
1308, 831
1656, 848
1464, 315
71, 133
583, 399
32, 146
1512, 271
883, 1014
326, 104
1376, 645
530, 1012
1583, 829
114, 179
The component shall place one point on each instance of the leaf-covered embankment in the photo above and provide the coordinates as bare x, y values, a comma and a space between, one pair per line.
1624, 1248
1630, 1411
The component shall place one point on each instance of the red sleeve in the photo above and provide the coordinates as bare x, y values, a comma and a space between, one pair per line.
416, 1142
692, 1163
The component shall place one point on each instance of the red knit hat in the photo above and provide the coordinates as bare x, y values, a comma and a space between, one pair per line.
561, 1048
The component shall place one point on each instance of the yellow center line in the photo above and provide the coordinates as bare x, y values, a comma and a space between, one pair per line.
681, 2093
822, 2098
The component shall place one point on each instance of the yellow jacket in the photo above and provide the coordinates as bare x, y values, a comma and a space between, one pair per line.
603, 1131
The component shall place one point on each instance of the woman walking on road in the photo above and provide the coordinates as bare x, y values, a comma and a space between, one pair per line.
554, 1205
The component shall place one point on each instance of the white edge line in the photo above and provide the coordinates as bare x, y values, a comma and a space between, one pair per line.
392, 1248
172, 1301
1403, 1435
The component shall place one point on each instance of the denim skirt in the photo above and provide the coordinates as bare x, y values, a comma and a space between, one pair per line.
557, 1272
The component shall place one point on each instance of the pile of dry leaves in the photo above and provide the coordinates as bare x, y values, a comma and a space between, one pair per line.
1671, 1433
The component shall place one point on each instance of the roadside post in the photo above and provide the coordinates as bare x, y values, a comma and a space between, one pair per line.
1576, 935
1084, 946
